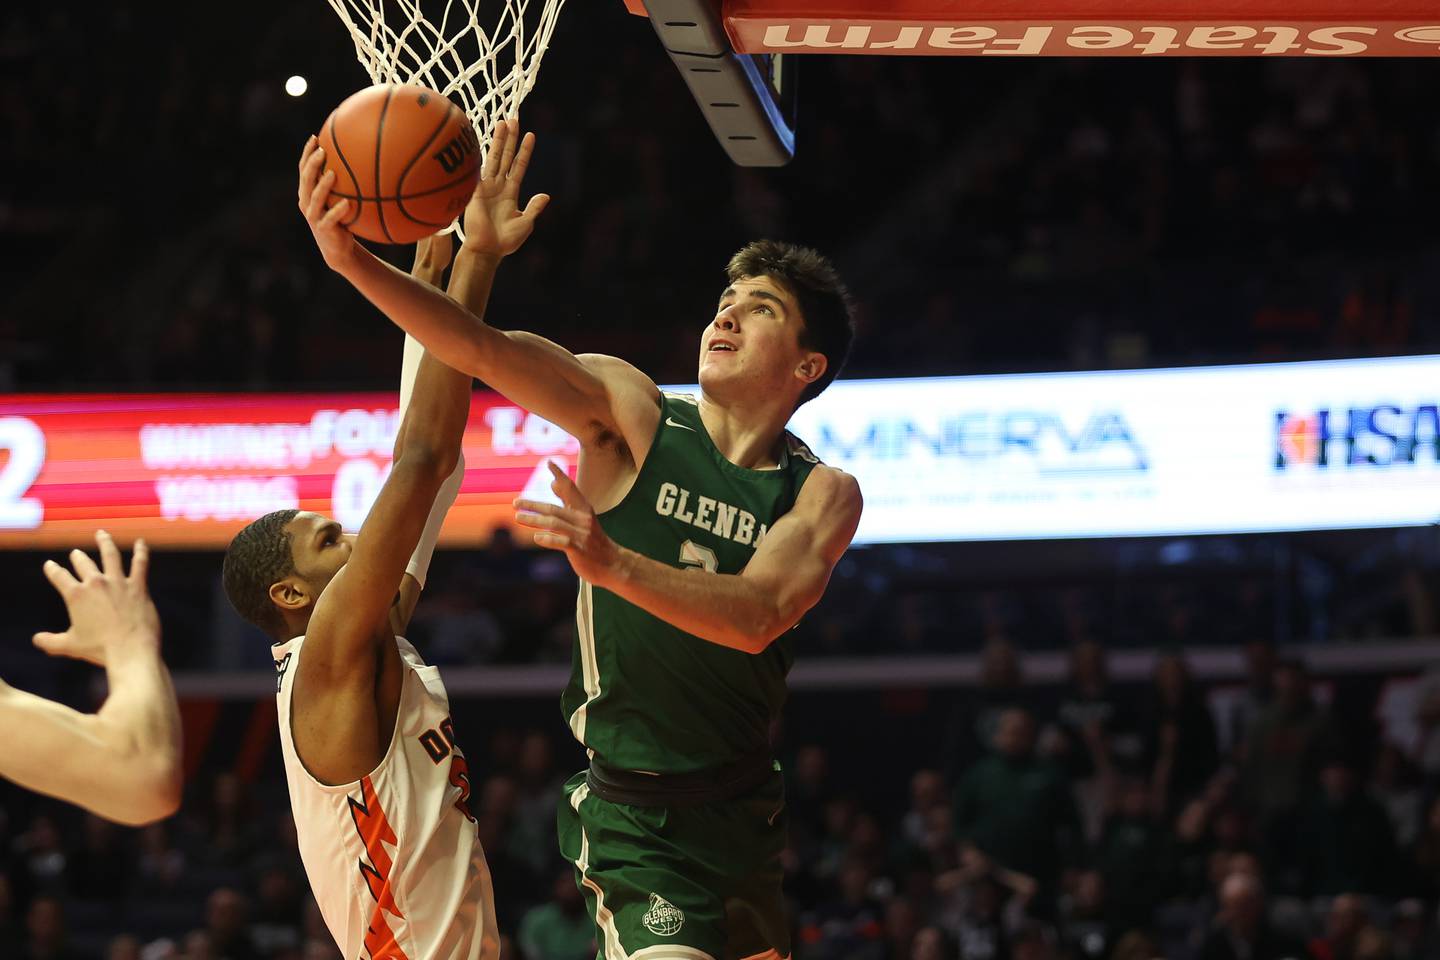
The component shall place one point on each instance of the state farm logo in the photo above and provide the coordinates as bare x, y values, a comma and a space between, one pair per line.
1075, 39
1430, 35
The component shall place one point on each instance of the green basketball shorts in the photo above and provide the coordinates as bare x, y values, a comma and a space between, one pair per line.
698, 882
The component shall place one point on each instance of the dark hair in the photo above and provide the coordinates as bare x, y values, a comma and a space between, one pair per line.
259, 555
825, 308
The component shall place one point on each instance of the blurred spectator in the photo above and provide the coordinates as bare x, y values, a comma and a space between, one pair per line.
974, 918
1099, 720
1413, 938
559, 929
1014, 810
902, 924
971, 727
123, 947
850, 925
1343, 839
927, 793
1241, 930
226, 934
1135, 855
1395, 786
931, 944
1425, 856
160, 867
46, 936
1135, 945
100, 868
1260, 662
1280, 757
532, 826
1348, 918
1086, 925
1179, 734
43, 861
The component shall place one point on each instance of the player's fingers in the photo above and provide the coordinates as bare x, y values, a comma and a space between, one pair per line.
512, 142
565, 488
310, 172
497, 149
536, 506
320, 195
522, 159
311, 143
84, 567
140, 563
109, 555
536, 206
552, 541
51, 643
60, 578
335, 214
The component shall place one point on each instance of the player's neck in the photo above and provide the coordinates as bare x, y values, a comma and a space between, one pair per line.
747, 434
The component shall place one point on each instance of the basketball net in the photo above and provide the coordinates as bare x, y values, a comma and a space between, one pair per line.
486, 60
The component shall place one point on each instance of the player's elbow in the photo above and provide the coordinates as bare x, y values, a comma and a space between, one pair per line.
762, 629
152, 793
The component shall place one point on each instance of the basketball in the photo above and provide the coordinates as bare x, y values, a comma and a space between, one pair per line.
405, 157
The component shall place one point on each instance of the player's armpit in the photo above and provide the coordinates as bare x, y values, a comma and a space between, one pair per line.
792, 565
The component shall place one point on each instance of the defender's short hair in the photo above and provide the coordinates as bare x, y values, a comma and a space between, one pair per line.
260, 555
825, 304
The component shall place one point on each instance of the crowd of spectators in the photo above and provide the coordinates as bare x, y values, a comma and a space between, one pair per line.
1084, 820
1029, 215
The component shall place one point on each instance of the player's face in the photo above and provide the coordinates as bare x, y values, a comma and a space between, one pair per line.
320, 548
754, 338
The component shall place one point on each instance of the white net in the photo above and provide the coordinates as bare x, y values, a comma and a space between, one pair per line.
483, 54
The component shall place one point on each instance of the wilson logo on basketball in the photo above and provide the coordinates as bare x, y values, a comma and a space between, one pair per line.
453, 154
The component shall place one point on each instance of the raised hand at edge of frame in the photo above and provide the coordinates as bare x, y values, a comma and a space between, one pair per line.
495, 225
108, 607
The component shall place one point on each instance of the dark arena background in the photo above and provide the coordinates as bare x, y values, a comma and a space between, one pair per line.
1207, 570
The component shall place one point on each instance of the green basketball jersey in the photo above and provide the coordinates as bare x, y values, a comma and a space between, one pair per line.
644, 695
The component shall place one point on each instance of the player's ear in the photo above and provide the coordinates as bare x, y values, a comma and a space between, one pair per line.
812, 367
292, 593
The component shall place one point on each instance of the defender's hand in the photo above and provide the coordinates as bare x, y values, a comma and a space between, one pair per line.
494, 223
107, 608
571, 528
337, 244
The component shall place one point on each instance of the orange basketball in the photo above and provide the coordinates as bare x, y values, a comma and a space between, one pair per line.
405, 157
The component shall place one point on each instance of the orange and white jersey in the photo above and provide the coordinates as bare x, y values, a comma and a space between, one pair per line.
394, 859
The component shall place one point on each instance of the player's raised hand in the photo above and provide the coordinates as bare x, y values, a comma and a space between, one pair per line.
337, 244
107, 607
494, 223
571, 527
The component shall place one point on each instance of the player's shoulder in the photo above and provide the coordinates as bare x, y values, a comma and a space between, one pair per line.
617, 373
832, 489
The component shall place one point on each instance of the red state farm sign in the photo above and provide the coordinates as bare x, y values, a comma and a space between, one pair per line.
1070, 28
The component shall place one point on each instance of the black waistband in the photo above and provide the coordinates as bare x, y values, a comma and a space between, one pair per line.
715, 785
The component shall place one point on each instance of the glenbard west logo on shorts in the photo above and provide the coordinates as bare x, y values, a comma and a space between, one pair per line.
663, 919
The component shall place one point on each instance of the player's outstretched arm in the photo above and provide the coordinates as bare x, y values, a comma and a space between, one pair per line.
360, 605
746, 611
122, 762
588, 396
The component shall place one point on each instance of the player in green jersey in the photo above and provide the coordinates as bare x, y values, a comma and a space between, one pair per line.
701, 531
